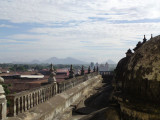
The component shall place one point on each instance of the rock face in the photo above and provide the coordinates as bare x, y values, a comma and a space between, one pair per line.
139, 75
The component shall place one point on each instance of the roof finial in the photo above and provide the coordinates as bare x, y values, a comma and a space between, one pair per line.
89, 70
82, 70
71, 67
94, 69
151, 36
71, 72
52, 78
97, 69
144, 39
129, 53
51, 68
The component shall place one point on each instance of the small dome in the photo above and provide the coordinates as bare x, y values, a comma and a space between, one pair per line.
1, 80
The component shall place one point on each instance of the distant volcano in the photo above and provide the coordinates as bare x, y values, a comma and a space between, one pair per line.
67, 60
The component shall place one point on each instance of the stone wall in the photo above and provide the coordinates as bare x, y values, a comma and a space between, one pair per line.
52, 108
131, 113
23, 101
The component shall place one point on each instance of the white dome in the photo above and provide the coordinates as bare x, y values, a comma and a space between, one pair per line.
1, 80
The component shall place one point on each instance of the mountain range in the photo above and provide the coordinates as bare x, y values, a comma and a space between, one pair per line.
55, 60
67, 60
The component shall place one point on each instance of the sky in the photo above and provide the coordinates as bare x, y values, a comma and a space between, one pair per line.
88, 30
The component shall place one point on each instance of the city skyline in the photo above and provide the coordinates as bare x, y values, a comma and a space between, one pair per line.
86, 30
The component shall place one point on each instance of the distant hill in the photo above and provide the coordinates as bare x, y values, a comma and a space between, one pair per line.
67, 60
110, 61
35, 62
54, 60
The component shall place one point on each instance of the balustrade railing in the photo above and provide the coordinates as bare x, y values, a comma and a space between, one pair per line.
25, 100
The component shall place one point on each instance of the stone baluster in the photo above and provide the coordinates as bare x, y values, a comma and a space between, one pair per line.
69, 85
35, 99
27, 102
12, 106
18, 106
31, 101
64, 87
21, 104
43, 95
52, 93
51, 90
59, 88
47, 92
24, 103
38, 96
73, 84
56, 88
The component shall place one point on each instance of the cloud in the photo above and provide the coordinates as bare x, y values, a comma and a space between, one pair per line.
99, 40
20, 11
6, 26
84, 29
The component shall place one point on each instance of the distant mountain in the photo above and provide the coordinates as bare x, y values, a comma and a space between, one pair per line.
67, 60
35, 62
54, 60
110, 61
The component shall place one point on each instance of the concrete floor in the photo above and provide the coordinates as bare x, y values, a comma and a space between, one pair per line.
98, 100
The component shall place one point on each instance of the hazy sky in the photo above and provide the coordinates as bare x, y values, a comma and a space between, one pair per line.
89, 30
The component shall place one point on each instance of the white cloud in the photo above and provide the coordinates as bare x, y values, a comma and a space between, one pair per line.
86, 27
50, 11
86, 41
6, 26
